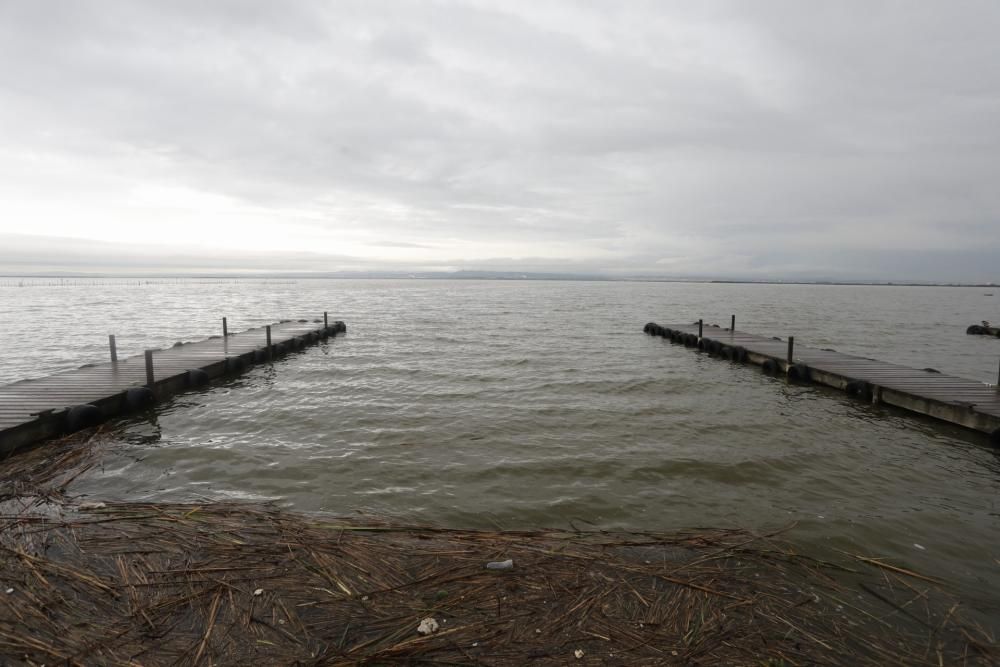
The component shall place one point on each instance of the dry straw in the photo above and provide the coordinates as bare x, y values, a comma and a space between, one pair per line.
238, 584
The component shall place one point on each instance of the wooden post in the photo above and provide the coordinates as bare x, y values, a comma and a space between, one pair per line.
998, 377
732, 323
700, 326
225, 328
326, 322
114, 348
791, 346
270, 352
149, 368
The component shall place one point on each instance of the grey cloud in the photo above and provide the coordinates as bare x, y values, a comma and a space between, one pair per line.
762, 137
37, 254
400, 244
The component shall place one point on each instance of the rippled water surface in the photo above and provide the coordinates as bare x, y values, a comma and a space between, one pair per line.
542, 403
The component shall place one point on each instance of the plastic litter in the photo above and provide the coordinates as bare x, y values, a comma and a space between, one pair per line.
91, 506
428, 626
500, 564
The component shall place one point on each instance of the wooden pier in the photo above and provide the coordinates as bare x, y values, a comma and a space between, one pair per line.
32, 410
974, 405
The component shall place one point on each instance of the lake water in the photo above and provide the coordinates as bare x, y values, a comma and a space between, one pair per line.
529, 404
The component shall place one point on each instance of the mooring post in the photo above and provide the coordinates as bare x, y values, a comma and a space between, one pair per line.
269, 351
700, 325
225, 328
732, 323
326, 321
114, 349
149, 368
791, 346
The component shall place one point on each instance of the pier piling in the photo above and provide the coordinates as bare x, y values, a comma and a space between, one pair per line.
113, 348
225, 328
149, 368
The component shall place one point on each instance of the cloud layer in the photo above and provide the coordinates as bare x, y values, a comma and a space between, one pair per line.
765, 139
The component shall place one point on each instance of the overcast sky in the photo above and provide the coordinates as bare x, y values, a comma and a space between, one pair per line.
760, 139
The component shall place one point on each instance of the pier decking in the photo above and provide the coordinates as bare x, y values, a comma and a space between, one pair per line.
32, 410
960, 401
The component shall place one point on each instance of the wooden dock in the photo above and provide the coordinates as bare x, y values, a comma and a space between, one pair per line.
33, 410
974, 405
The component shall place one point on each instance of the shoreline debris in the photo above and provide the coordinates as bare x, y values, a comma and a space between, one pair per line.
159, 584
225, 583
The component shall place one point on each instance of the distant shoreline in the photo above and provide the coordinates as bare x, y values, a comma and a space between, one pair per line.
468, 275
